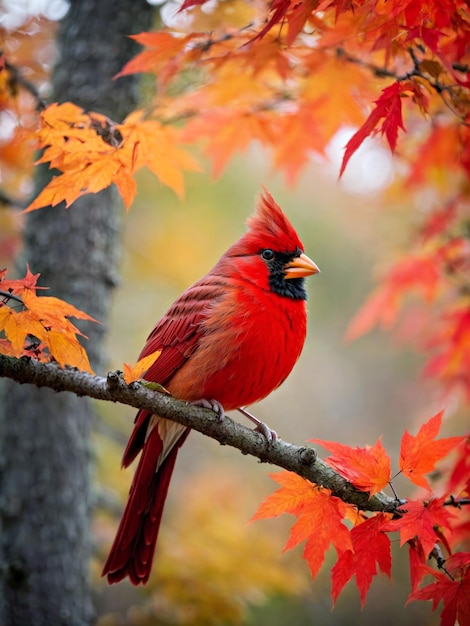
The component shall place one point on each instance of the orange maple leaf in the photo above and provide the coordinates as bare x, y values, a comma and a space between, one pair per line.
84, 147
166, 56
66, 350
415, 272
135, 372
303, 134
44, 318
370, 546
53, 311
435, 154
320, 517
18, 325
17, 286
289, 499
156, 146
418, 455
228, 131
366, 468
92, 153
6, 348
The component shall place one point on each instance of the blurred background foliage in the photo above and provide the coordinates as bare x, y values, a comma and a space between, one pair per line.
212, 566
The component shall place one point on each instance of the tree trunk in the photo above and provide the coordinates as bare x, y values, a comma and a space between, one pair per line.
44, 437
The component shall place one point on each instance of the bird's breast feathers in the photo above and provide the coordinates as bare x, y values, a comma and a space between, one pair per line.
249, 343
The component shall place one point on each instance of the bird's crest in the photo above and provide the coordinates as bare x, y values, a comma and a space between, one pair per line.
271, 227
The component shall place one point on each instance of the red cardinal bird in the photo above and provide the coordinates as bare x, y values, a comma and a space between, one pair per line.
228, 341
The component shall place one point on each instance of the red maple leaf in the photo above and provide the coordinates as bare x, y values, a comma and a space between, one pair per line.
320, 524
279, 9
367, 468
418, 455
297, 17
459, 480
371, 547
419, 273
188, 4
423, 520
454, 592
418, 567
388, 108
451, 340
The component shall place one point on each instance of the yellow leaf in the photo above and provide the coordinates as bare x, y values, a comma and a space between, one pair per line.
18, 325
5, 313
134, 372
67, 350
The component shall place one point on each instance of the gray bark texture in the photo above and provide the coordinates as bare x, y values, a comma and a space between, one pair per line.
44, 436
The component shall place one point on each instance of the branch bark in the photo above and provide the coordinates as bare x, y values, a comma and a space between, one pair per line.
299, 459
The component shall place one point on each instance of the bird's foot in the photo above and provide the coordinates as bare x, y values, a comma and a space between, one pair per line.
262, 428
213, 405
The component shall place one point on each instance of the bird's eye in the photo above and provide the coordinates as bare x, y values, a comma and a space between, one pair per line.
267, 254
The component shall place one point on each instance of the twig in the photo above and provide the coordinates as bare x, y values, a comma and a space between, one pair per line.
436, 553
457, 502
7, 295
17, 79
416, 72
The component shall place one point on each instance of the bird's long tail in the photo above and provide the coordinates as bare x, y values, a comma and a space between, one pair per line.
132, 551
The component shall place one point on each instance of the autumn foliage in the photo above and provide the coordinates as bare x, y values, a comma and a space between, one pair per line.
289, 75
39, 327
363, 546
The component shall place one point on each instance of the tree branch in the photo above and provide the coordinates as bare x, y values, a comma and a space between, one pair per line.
299, 459
16, 79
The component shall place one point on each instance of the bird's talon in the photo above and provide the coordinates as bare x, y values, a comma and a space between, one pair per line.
269, 434
261, 427
212, 405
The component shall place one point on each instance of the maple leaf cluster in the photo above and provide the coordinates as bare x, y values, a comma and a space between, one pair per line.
425, 296
362, 543
92, 153
290, 79
288, 74
39, 327
283, 80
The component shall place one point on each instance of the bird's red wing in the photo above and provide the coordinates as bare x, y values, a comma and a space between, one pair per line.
176, 335
178, 332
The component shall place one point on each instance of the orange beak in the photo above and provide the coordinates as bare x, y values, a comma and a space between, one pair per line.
301, 266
